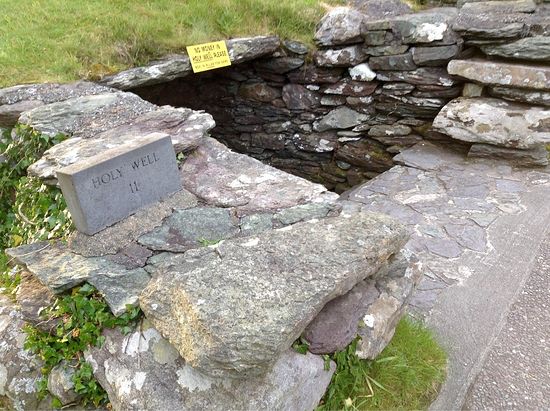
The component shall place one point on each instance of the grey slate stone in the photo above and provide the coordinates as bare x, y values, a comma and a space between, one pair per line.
186, 128
537, 156
231, 310
86, 116
529, 48
143, 371
420, 76
502, 73
428, 26
60, 270
340, 118
396, 62
227, 179
500, 7
494, 121
112, 185
303, 213
18, 99
297, 97
185, 229
522, 95
434, 56
344, 57
120, 237
61, 384
341, 25
19, 369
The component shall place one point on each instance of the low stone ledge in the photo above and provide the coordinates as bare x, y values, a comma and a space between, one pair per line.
231, 309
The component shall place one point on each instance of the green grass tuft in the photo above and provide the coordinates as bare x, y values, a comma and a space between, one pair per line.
406, 376
59, 40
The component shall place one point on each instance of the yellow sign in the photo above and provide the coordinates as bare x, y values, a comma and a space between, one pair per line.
208, 56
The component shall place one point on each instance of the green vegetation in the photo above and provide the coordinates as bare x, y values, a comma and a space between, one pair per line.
406, 376
59, 40
81, 316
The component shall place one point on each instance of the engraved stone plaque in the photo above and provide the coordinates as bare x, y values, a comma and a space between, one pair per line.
110, 186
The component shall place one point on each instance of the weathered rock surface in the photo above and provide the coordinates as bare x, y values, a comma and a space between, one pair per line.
143, 371
500, 7
366, 308
494, 121
502, 74
227, 179
345, 57
60, 270
529, 48
227, 318
176, 66
297, 97
341, 118
115, 240
362, 72
33, 298
61, 385
167, 69
17, 99
434, 56
522, 95
185, 229
186, 128
19, 370
487, 26
86, 116
341, 25
535, 157
423, 76
395, 284
426, 26
396, 62
381, 9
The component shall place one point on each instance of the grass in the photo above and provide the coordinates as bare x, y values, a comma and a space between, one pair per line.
60, 40
406, 376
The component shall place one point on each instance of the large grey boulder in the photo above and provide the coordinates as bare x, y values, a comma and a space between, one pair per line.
432, 76
142, 371
185, 127
18, 99
494, 121
502, 73
341, 25
340, 118
372, 309
230, 310
227, 179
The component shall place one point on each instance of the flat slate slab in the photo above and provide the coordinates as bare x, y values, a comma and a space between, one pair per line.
224, 178
60, 270
110, 186
502, 74
231, 309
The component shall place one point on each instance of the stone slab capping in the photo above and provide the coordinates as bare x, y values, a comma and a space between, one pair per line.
422, 116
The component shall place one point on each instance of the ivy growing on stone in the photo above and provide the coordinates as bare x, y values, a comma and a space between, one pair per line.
81, 316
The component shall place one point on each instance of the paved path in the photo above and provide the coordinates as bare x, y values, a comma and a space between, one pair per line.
477, 226
516, 373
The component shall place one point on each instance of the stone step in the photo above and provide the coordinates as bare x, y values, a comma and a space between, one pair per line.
231, 309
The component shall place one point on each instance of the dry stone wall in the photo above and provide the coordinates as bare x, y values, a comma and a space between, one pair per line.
380, 74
